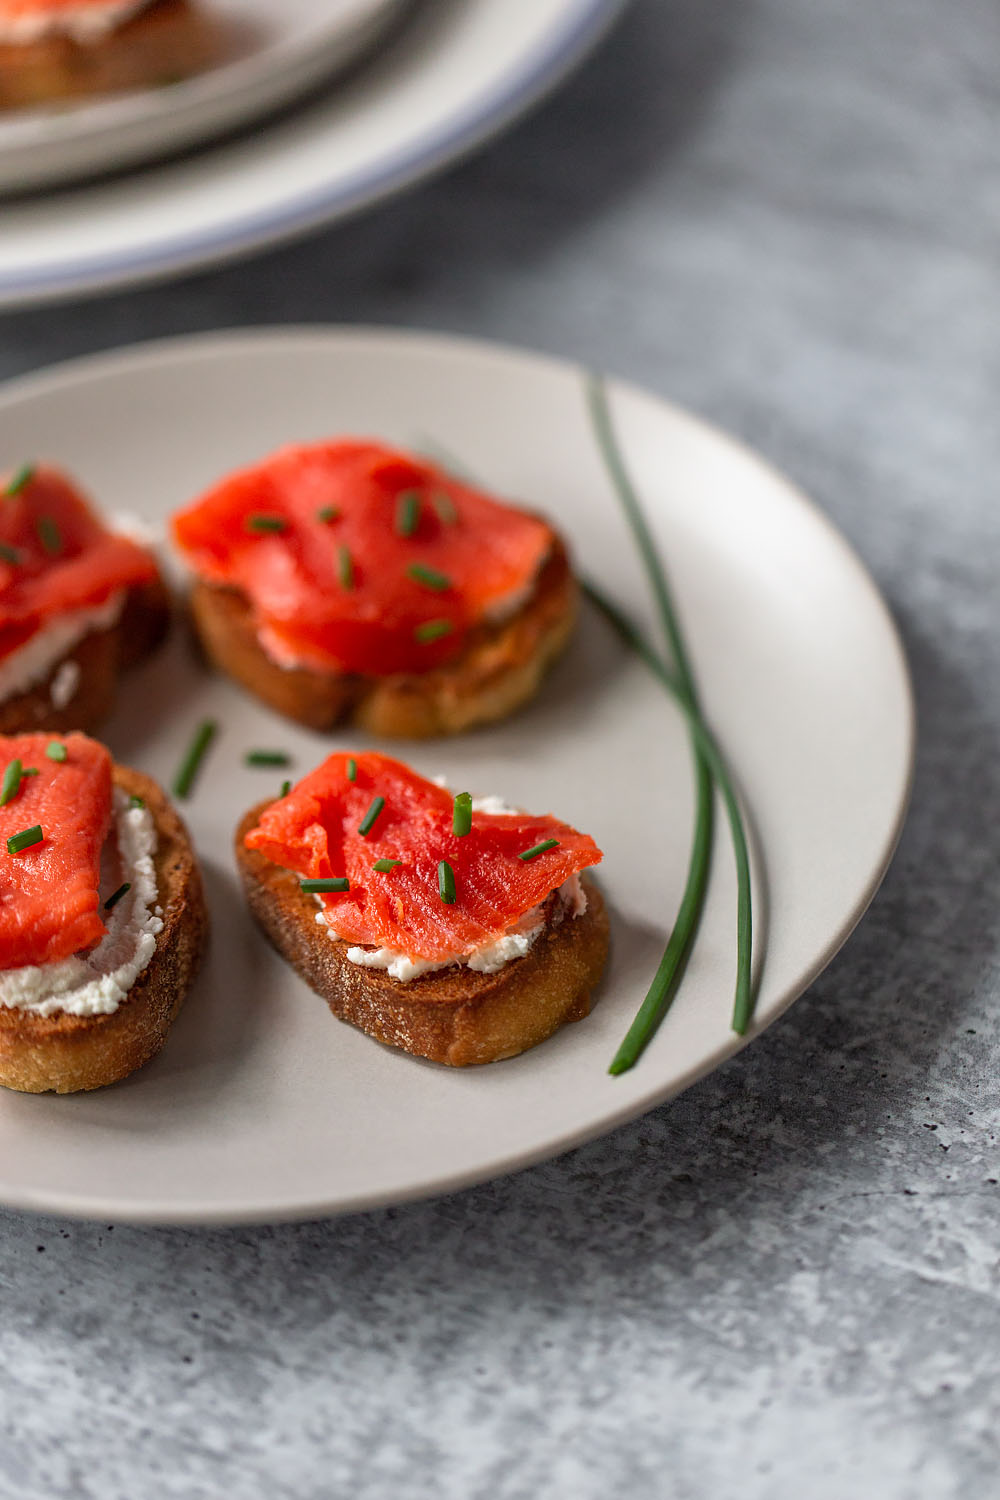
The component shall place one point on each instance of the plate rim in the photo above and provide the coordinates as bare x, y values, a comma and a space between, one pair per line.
148, 353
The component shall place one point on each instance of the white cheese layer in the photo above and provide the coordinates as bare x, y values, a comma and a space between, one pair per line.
96, 983
32, 662
85, 24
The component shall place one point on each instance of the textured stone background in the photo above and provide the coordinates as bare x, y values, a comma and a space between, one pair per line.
787, 216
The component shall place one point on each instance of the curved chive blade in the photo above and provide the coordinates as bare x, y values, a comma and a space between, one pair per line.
26, 839
383, 866
136, 802
538, 849
328, 513
407, 512
352, 769
260, 522
9, 554
446, 883
345, 567
461, 817
286, 787
117, 895
49, 535
191, 764
21, 479
432, 630
55, 750
368, 821
318, 887
445, 507
267, 758
11, 784
429, 577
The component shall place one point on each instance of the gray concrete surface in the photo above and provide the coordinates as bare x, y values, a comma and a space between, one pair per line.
786, 214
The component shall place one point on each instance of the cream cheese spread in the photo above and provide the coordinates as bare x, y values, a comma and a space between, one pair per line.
96, 983
32, 662
86, 24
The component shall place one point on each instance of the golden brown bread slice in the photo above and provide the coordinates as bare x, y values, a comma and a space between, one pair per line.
454, 1016
68, 1053
100, 659
499, 670
167, 41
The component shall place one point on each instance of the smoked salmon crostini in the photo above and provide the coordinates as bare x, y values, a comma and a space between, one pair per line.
78, 605
346, 581
67, 49
102, 920
455, 928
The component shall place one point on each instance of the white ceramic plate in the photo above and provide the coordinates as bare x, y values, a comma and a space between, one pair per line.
276, 52
454, 74
262, 1106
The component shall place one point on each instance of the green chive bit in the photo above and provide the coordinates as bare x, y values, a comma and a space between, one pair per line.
345, 567
286, 787
21, 479
136, 802
332, 883
408, 512
11, 783
383, 866
55, 750
368, 821
461, 817
267, 758
352, 768
26, 839
117, 895
190, 765
432, 630
258, 522
327, 513
429, 577
446, 883
445, 507
539, 849
49, 535
9, 554
30, 771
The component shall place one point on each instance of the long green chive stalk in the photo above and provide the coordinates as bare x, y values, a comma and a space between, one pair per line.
191, 764
708, 763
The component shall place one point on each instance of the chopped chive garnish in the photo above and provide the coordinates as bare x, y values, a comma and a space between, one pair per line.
408, 512
429, 577
117, 895
541, 848
11, 784
445, 507
258, 522
345, 567
136, 802
190, 765
461, 815
446, 883
9, 554
352, 768
327, 513
26, 839
368, 821
55, 750
317, 887
286, 787
49, 534
21, 479
433, 630
267, 758
383, 866
30, 771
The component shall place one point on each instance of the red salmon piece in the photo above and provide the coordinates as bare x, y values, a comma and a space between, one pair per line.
315, 832
50, 893
358, 558
57, 556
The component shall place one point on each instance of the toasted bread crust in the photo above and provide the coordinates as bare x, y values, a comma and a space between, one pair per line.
68, 1053
500, 668
454, 1016
101, 657
167, 41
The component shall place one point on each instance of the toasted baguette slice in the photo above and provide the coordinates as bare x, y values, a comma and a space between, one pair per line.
500, 669
100, 658
167, 41
68, 1053
454, 1016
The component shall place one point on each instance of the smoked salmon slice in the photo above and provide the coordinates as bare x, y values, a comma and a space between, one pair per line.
56, 556
315, 831
357, 558
50, 891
